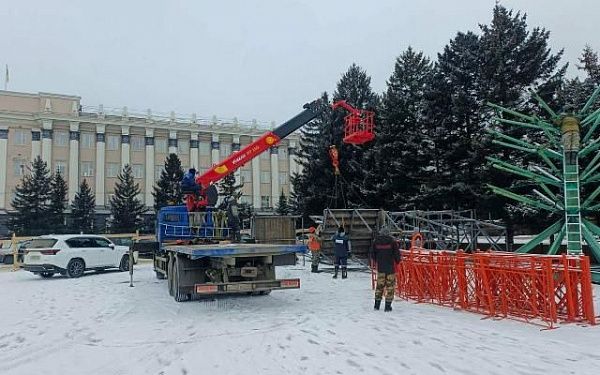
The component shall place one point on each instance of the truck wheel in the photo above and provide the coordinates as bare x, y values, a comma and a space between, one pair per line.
178, 294
170, 275
75, 268
124, 264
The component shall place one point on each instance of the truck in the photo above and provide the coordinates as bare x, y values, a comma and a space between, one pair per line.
198, 246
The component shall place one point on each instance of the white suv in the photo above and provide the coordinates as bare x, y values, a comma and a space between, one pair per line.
73, 254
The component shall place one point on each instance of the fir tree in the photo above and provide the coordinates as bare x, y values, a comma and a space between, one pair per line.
316, 180
282, 207
32, 200
167, 190
229, 189
355, 88
398, 151
58, 203
83, 209
125, 207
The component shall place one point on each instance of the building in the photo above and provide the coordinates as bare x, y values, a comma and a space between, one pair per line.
94, 143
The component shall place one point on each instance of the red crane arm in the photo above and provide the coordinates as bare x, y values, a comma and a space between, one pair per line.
238, 159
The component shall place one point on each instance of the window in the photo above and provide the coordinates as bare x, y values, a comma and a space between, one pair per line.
246, 176
265, 177
20, 137
204, 148
160, 145
264, 201
41, 243
225, 150
265, 155
81, 242
87, 140
112, 142
283, 152
283, 178
87, 168
157, 172
61, 139
138, 170
246, 199
137, 143
61, 167
183, 147
112, 170
102, 242
19, 167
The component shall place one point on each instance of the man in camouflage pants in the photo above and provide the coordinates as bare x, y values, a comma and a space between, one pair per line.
386, 253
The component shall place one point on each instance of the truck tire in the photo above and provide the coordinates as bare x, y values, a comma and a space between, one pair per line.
170, 274
179, 295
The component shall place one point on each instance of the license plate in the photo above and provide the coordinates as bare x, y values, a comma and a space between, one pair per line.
239, 288
34, 257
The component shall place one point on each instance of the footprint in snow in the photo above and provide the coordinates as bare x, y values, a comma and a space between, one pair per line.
311, 341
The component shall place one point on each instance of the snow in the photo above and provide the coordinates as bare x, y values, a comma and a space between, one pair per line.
97, 324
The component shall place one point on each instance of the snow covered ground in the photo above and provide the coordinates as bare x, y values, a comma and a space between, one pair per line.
99, 325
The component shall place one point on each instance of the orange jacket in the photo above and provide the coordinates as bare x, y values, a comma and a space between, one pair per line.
313, 242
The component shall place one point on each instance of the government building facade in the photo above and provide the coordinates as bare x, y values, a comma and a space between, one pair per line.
94, 143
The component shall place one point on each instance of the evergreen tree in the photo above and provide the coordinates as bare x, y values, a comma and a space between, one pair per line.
125, 207
313, 188
590, 64
58, 203
32, 200
83, 209
282, 207
398, 152
229, 188
355, 88
167, 190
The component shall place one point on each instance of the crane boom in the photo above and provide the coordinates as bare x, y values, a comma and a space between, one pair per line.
238, 159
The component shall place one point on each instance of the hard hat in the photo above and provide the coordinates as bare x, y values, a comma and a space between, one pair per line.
311, 229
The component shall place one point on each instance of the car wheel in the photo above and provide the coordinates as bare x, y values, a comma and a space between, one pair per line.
124, 265
75, 268
47, 275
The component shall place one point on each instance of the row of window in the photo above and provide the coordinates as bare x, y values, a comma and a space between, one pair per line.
138, 143
113, 169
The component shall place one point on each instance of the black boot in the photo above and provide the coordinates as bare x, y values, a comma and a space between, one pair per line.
314, 269
344, 273
377, 304
335, 272
388, 306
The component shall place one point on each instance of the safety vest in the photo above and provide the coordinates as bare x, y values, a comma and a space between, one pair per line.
313, 243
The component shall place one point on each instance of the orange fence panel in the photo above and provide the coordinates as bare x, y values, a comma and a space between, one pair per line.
540, 289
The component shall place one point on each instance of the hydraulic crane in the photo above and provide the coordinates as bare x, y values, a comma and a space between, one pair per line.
358, 130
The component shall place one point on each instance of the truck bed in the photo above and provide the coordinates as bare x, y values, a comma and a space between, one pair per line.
234, 249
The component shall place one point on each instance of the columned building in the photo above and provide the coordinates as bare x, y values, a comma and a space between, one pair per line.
94, 143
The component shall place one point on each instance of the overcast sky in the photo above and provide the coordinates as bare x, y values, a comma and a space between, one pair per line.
250, 59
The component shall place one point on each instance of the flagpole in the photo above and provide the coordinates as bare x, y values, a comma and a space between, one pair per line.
6, 79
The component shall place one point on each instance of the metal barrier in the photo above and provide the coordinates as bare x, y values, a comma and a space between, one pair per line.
539, 289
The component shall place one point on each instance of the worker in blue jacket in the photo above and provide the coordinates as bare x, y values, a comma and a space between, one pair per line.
188, 183
341, 250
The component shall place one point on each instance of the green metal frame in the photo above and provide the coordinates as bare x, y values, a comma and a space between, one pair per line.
561, 180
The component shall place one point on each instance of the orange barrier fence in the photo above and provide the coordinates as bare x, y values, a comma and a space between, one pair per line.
541, 289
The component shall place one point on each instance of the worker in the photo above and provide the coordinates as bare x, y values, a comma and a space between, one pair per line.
188, 183
569, 128
386, 253
334, 155
233, 220
341, 250
314, 245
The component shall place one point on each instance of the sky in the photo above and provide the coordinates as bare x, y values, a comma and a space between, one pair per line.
247, 59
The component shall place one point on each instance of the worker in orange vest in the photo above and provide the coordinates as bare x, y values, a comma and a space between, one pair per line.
314, 245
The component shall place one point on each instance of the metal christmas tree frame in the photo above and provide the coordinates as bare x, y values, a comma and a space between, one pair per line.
569, 139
